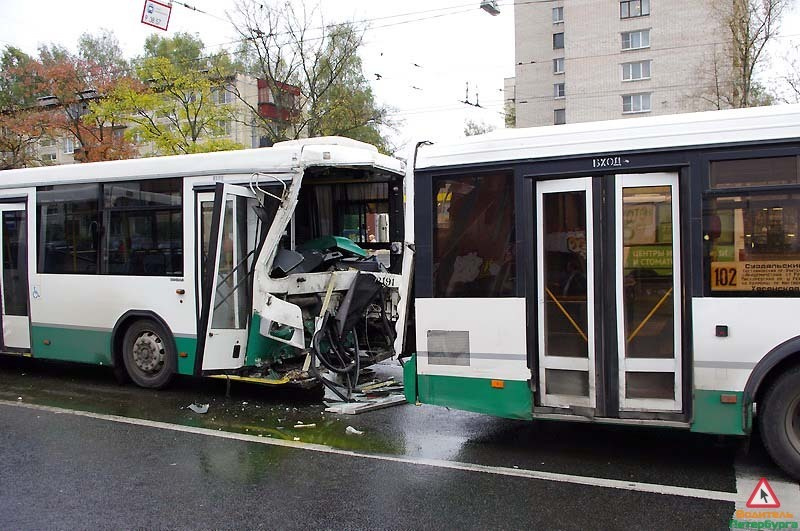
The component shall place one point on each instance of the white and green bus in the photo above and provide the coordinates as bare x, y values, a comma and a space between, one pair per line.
642, 272
209, 264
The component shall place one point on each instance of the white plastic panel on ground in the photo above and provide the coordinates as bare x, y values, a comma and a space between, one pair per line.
497, 337
755, 326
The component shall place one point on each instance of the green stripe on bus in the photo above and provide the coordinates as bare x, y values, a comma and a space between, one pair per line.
410, 380
712, 416
71, 344
83, 345
512, 400
263, 350
189, 346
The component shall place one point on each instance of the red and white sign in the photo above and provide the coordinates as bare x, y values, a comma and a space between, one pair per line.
156, 14
763, 497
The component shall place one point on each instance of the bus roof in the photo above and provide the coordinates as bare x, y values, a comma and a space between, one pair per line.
282, 158
780, 122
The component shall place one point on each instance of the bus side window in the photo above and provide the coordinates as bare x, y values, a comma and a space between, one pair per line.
473, 245
751, 234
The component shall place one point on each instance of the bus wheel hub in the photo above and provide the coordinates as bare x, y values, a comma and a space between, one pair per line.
148, 353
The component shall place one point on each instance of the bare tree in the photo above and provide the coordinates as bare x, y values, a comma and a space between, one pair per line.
472, 128
749, 26
793, 78
311, 70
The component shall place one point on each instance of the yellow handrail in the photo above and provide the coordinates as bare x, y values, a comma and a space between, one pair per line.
567, 315
650, 315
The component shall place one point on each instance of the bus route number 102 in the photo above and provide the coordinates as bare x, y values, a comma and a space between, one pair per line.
723, 277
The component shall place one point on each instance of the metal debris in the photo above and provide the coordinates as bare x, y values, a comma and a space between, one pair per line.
198, 408
352, 431
354, 408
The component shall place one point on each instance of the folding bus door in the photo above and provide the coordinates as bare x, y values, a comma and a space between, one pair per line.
226, 286
648, 285
565, 273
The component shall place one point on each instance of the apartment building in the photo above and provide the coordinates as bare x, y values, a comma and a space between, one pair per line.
272, 102
587, 60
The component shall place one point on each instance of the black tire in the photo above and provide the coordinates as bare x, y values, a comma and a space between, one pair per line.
149, 354
779, 421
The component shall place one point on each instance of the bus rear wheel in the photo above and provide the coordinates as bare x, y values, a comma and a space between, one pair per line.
779, 421
149, 356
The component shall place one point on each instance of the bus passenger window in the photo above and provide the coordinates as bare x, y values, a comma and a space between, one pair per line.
143, 228
67, 239
750, 237
473, 242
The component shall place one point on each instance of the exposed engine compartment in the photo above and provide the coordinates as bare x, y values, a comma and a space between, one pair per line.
332, 298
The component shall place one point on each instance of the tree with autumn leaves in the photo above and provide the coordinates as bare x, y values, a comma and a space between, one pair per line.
22, 125
108, 106
168, 101
172, 101
49, 96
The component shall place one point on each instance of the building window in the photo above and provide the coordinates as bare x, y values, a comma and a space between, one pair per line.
636, 71
558, 41
48, 158
559, 116
750, 236
634, 40
473, 239
223, 128
558, 15
633, 103
559, 90
634, 8
558, 65
69, 145
220, 95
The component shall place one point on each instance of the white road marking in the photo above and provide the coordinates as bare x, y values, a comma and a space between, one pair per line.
650, 488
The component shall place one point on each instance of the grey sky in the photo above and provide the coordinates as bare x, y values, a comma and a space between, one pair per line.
424, 59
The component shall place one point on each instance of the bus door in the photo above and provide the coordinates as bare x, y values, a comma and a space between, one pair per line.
609, 349
226, 256
14, 277
566, 326
648, 292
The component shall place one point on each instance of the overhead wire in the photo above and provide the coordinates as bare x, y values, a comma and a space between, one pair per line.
440, 12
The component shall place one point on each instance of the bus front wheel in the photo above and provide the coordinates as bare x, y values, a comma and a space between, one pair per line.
779, 421
149, 355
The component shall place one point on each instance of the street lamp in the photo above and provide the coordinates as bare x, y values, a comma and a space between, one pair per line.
490, 6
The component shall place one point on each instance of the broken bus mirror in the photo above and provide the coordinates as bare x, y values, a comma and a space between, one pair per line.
285, 261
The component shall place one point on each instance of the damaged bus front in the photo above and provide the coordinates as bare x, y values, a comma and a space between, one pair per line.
307, 270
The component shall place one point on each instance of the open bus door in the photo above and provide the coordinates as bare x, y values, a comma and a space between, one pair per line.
226, 285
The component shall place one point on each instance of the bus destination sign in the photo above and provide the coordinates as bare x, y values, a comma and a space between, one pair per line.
769, 276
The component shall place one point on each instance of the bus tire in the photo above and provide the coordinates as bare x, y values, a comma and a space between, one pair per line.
149, 354
779, 421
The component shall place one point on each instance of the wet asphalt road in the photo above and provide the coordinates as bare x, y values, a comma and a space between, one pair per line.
66, 471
